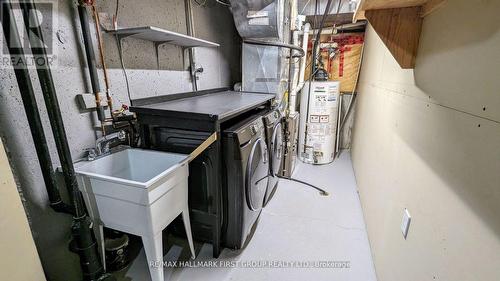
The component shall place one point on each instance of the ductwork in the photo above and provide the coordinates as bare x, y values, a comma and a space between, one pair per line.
258, 19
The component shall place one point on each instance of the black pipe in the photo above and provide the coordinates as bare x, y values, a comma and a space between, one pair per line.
83, 237
31, 108
91, 60
52, 105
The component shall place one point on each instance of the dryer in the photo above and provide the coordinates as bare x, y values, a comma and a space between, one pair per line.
274, 139
246, 176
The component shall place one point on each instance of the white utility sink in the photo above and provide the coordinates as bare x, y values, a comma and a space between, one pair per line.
138, 192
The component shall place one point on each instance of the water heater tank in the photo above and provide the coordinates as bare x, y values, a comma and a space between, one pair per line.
318, 122
259, 19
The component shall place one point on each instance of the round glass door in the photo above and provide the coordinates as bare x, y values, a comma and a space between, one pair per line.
256, 175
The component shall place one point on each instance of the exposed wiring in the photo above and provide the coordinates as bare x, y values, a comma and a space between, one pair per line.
116, 10
223, 3
120, 54
120, 51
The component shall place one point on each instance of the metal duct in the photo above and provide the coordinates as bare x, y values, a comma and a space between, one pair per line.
258, 19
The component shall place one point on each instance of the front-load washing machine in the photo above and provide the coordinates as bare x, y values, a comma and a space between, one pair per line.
274, 140
246, 176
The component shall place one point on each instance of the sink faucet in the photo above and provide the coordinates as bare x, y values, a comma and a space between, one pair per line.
102, 144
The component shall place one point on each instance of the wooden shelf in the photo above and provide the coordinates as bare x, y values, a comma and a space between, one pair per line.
162, 36
398, 23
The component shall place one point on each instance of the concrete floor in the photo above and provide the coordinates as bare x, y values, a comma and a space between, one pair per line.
297, 225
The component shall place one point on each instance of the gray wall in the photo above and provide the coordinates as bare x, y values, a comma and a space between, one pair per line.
212, 22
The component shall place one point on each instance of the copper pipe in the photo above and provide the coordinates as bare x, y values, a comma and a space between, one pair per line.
101, 55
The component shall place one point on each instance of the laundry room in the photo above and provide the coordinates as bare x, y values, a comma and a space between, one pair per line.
263, 140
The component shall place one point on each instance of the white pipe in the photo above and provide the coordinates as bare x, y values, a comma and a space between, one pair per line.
295, 69
303, 62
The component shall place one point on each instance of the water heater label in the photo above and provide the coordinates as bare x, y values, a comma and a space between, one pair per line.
314, 119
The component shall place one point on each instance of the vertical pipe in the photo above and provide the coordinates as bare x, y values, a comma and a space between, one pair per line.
49, 93
91, 61
303, 62
28, 97
103, 61
84, 240
339, 121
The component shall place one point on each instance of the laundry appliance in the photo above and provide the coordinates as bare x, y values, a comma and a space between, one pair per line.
246, 177
274, 140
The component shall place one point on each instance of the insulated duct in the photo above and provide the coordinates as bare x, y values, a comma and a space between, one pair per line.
259, 19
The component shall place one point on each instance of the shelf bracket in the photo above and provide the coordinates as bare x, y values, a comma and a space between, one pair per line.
123, 36
157, 51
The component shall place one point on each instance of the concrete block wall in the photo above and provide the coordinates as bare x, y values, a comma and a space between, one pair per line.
212, 22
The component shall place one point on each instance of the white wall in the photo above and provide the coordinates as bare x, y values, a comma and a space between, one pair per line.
423, 141
18, 256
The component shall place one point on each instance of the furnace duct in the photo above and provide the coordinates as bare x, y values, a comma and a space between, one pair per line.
259, 19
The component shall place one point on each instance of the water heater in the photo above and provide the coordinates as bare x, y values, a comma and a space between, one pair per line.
318, 121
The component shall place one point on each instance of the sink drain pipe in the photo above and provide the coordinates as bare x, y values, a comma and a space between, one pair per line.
31, 110
83, 236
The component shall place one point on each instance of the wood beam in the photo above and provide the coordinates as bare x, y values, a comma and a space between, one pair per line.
399, 29
389, 4
431, 6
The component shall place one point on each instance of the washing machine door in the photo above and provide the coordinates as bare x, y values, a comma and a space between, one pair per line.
256, 175
276, 149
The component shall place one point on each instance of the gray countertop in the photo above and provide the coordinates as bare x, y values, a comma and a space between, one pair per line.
216, 106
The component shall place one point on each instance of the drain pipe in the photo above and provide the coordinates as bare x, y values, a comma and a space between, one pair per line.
83, 237
31, 109
91, 61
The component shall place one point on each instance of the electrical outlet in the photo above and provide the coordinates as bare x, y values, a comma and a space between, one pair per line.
405, 224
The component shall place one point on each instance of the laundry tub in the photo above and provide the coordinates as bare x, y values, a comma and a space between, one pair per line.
138, 192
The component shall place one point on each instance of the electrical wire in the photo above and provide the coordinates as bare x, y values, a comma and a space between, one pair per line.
223, 3
120, 52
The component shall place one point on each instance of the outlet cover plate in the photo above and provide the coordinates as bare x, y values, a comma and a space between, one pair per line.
405, 223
